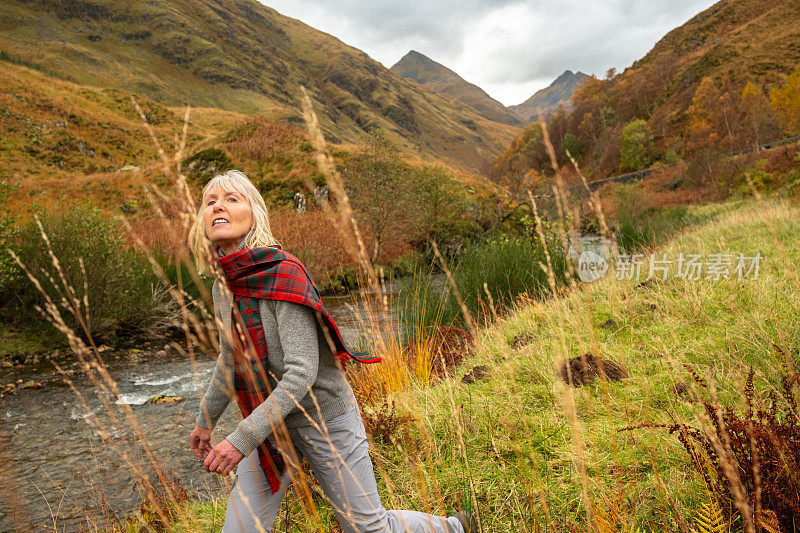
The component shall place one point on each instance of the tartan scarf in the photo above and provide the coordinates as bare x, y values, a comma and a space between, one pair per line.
269, 272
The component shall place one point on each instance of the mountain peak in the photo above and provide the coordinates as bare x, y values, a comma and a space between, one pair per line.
566, 75
420, 68
547, 100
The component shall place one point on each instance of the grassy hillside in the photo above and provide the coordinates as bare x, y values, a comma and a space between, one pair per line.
755, 40
242, 56
535, 454
427, 72
63, 139
535, 445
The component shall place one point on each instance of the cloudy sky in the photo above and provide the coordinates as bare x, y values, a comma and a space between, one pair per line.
510, 48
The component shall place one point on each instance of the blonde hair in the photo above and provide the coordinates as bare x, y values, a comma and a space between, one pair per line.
260, 233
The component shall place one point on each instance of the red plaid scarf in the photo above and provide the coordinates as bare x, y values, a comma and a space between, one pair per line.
269, 272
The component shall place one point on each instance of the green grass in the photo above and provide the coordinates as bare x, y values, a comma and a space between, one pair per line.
521, 439
19, 344
536, 449
639, 228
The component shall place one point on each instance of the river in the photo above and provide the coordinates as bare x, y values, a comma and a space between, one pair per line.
63, 473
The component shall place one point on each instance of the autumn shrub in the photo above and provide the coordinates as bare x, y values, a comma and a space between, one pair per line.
753, 450
383, 421
313, 238
118, 291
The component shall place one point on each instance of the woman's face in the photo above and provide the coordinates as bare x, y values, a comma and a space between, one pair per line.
227, 217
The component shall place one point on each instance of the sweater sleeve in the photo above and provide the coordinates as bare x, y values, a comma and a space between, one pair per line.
220, 390
297, 330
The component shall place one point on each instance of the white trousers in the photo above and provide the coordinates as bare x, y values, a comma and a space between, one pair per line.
342, 465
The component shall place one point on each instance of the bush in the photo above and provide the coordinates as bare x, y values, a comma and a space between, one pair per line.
520, 274
636, 145
572, 145
123, 294
759, 177
206, 164
427, 302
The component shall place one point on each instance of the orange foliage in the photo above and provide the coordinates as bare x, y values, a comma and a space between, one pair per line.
713, 119
757, 114
785, 102
313, 238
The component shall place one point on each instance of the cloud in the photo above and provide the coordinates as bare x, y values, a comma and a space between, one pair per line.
510, 48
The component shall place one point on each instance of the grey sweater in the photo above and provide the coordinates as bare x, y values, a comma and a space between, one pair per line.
305, 370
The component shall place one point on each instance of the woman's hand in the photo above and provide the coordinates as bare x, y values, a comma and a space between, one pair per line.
200, 441
222, 458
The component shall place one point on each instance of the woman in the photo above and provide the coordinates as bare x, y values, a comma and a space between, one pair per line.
278, 360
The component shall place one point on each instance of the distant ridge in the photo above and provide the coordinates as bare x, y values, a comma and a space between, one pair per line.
548, 99
427, 72
242, 56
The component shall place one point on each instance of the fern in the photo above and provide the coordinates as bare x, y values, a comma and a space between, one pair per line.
608, 516
767, 521
709, 517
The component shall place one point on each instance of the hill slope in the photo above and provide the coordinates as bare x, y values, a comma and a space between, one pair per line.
242, 56
721, 49
58, 138
733, 40
427, 72
548, 99
530, 421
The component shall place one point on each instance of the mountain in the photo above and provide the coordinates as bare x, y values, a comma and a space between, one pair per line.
733, 41
427, 72
708, 61
241, 56
548, 99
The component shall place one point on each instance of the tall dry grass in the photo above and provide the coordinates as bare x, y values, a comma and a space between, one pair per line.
599, 501
173, 214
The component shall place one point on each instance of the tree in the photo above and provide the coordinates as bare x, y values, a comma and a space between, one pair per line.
637, 141
727, 120
701, 132
379, 182
785, 101
434, 200
572, 145
759, 121
525, 153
